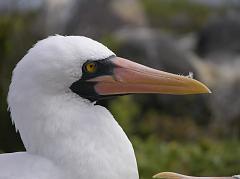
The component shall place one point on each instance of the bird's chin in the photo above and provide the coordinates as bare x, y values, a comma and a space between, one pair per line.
87, 90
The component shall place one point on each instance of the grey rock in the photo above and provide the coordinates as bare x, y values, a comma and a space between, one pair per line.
219, 37
153, 48
95, 18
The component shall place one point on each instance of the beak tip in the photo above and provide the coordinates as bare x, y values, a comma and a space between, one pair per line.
207, 90
201, 88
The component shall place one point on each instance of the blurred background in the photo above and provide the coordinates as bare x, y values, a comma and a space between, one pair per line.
196, 134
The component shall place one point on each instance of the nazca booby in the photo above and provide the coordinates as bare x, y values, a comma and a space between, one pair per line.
52, 102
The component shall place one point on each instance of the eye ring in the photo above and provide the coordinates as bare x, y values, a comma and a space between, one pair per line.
90, 67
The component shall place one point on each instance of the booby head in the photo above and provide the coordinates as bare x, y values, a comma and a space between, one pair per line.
91, 70
50, 99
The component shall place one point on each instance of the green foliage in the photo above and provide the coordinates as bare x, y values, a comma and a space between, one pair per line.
125, 110
176, 15
16, 37
204, 158
110, 42
166, 143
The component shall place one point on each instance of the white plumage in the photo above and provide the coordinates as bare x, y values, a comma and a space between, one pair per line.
65, 135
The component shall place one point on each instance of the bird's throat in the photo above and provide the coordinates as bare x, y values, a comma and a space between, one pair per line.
82, 138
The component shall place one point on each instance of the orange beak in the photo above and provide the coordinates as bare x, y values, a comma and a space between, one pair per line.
129, 77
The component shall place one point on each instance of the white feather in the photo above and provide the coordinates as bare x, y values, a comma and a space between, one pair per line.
75, 138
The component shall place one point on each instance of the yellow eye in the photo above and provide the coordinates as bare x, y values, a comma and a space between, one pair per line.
91, 67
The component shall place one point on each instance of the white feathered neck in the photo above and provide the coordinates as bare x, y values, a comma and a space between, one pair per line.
82, 138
